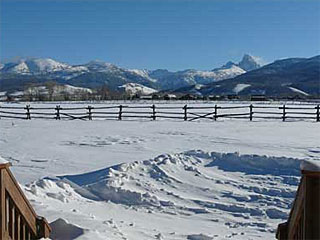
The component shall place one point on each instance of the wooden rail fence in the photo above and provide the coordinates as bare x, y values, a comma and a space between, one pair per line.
153, 112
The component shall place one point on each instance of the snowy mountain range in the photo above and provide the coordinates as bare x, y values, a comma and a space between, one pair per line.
291, 76
15, 75
286, 77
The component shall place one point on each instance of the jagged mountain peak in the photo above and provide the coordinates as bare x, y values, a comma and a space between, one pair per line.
228, 65
249, 63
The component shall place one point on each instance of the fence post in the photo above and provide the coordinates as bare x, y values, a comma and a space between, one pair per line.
120, 113
215, 112
57, 112
284, 113
153, 112
185, 108
89, 112
318, 113
251, 112
28, 112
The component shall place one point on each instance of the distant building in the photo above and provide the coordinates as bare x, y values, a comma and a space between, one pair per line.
3, 96
188, 97
170, 97
258, 98
147, 97
215, 97
232, 97
297, 97
156, 96
15, 96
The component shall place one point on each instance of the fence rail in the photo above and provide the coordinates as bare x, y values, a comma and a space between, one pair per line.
153, 112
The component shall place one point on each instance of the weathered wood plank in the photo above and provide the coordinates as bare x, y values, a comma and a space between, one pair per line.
20, 200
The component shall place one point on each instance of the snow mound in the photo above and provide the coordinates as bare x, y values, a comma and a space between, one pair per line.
248, 194
193, 182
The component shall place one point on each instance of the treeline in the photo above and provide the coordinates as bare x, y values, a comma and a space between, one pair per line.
51, 91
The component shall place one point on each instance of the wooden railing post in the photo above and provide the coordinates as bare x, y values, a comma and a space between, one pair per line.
120, 113
3, 219
251, 112
23, 230
7, 213
284, 113
215, 112
153, 112
12, 213
185, 108
318, 113
57, 112
43, 231
18, 226
90, 112
27, 108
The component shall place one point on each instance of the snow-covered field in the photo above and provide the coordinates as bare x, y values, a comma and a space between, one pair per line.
230, 179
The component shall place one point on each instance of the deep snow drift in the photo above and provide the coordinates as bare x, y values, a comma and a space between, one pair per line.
221, 195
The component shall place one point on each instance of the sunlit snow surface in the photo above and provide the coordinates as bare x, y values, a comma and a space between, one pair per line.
230, 179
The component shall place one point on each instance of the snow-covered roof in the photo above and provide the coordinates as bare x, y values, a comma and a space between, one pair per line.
17, 94
310, 165
171, 95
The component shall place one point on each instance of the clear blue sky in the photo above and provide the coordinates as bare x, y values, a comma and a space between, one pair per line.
172, 34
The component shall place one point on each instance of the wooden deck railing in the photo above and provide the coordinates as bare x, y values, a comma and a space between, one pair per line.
17, 218
304, 218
